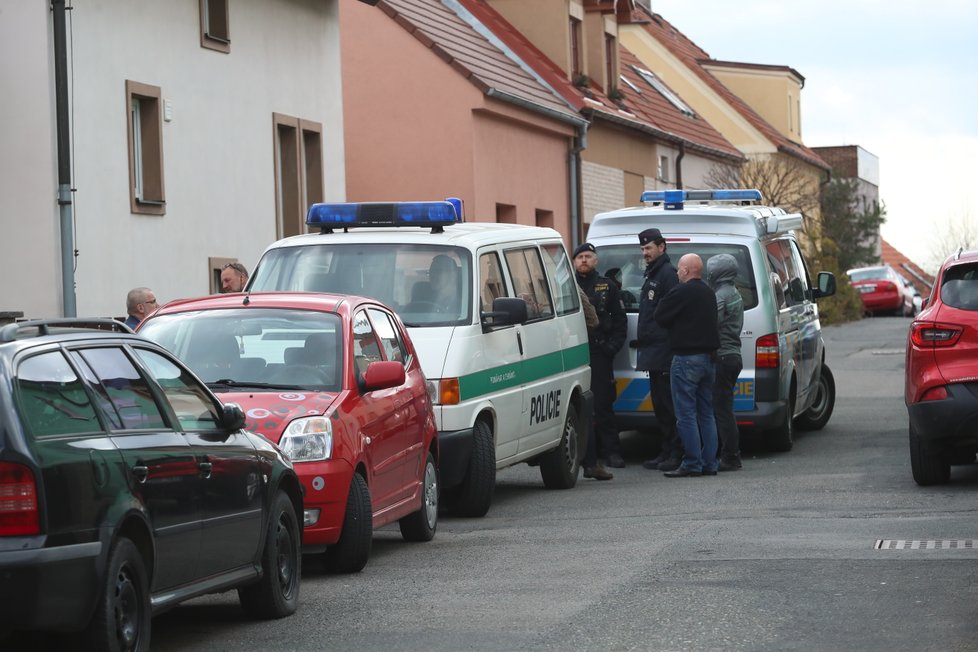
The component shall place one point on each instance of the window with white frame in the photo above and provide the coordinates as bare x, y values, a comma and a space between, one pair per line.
657, 84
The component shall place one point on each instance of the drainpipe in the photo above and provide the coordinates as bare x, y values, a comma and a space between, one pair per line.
679, 165
574, 170
64, 158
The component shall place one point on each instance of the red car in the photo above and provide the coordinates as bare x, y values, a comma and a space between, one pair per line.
335, 382
883, 289
941, 387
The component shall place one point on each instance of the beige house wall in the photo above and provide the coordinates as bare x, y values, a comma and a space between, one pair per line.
774, 94
707, 104
544, 23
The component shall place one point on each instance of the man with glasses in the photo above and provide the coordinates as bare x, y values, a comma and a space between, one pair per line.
234, 276
139, 303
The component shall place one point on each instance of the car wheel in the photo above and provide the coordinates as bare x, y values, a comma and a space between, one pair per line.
122, 615
816, 416
474, 495
421, 525
276, 594
928, 461
559, 467
351, 552
782, 438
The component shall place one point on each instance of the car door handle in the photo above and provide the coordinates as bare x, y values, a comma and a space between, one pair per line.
141, 472
205, 469
519, 341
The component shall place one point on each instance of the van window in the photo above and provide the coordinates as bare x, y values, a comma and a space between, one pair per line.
405, 277
787, 264
624, 264
491, 282
563, 284
530, 281
52, 399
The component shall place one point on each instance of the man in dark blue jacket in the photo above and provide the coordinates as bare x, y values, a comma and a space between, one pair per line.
689, 313
654, 352
604, 342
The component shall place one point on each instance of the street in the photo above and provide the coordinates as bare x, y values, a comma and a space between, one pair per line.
779, 556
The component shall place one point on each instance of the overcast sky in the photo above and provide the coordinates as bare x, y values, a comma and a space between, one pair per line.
898, 78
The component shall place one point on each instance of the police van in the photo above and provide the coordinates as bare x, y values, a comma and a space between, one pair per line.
785, 382
494, 313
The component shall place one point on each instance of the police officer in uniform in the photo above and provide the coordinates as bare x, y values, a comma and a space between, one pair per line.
604, 342
654, 350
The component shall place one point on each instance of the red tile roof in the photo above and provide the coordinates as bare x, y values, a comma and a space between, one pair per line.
668, 122
472, 55
695, 58
892, 257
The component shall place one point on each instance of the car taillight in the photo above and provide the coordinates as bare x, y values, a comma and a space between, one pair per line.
18, 501
930, 335
938, 393
768, 353
885, 286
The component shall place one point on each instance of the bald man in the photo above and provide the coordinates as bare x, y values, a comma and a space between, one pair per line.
689, 315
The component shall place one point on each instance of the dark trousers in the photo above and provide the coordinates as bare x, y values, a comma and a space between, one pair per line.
728, 368
665, 413
603, 437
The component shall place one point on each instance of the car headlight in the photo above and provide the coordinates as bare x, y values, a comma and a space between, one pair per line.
308, 439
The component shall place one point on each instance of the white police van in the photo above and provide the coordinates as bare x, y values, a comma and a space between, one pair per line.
494, 313
785, 381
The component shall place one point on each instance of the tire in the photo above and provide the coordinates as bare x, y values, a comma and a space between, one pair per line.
782, 438
276, 594
559, 468
816, 416
351, 552
928, 461
122, 617
473, 496
421, 525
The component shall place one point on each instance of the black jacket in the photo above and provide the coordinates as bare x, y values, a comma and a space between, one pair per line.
654, 351
612, 327
689, 313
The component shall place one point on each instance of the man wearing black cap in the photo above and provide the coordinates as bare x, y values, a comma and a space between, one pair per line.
654, 350
604, 342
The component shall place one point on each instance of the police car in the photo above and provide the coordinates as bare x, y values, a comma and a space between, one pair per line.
785, 381
494, 313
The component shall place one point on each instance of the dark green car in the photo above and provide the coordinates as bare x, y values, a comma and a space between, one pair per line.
126, 487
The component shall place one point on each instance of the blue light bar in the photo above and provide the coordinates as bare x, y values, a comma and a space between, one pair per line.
673, 199
365, 214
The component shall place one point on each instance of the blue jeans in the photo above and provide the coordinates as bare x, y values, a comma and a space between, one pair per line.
692, 398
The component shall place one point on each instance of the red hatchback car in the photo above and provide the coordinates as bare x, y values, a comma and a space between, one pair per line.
335, 382
941, 387
883, 290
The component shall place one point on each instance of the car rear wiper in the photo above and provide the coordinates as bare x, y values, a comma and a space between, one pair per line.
230, 382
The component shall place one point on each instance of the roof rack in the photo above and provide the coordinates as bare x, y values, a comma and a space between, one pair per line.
18, 330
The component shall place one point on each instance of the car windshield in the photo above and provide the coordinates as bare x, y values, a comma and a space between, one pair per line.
260, 348
427, 285
959, 288
869, 274
624, 264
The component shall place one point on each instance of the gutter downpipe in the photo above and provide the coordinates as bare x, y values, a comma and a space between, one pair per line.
64, 158
574, 171
679, 165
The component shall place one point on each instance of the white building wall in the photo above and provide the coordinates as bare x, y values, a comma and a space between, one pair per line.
30, 276
217, 150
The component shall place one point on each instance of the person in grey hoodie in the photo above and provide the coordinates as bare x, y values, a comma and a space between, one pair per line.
721, 272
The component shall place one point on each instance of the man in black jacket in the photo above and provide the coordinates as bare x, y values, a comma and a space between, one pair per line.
604, 342
689, 313
654, 352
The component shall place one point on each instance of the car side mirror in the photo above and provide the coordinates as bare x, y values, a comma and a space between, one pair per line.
232, 417
383, 374
506, 311
826, 285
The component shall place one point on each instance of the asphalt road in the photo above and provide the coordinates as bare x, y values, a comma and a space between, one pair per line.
779, 556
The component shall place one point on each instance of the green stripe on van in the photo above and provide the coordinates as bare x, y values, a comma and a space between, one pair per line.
528, 371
